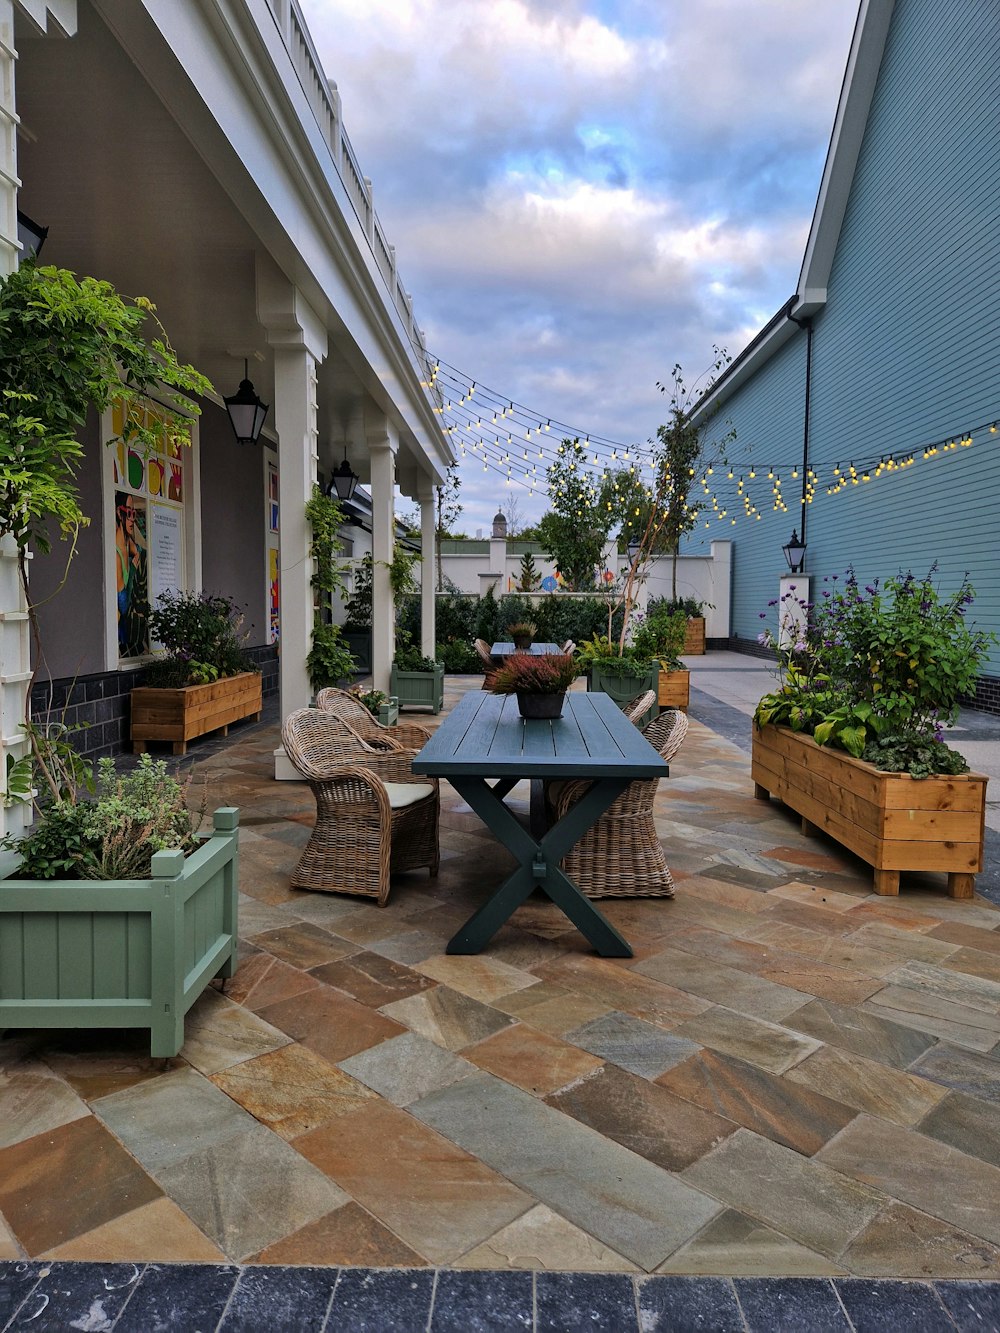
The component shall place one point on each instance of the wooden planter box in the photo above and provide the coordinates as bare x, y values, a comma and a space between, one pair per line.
674, 689
624, 688
418, 689
892, 821
122, 953
694, 636
180, 715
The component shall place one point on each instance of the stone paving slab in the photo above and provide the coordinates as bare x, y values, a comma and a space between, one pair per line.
157, 1298
792, 1078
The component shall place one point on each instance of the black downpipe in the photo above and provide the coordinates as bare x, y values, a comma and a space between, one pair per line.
807, 325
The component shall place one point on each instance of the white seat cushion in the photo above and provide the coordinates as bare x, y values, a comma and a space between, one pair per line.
402, 794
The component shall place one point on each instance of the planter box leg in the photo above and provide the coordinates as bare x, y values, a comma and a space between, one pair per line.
138, 747
166, 1035
761, 793
810, 830
962, 886
180, 747
887, 883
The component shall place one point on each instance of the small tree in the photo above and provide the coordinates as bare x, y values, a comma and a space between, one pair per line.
529, 579
575, 529
448, 511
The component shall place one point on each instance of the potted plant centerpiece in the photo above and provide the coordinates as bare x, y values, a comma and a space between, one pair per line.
540, 682
853, 739
204, 680
522, 633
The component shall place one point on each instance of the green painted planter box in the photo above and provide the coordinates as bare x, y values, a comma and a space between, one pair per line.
388, 713
418, 689
122, 953
622, 688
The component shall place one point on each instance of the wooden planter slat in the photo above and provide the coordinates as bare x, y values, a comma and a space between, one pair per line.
418, 689
674, 689
891, 820
694, 637
181, 715
122, 953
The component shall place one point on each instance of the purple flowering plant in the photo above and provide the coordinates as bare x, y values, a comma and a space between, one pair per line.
878, 669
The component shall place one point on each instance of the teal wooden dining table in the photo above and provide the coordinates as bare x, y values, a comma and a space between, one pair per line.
484, 746
506, 649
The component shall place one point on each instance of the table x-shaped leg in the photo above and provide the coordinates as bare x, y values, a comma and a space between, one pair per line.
539, 866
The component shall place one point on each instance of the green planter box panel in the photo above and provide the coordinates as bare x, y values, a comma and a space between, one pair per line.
122, 953
623, 688
418, 689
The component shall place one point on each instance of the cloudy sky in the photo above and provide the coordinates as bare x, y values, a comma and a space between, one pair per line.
583, 192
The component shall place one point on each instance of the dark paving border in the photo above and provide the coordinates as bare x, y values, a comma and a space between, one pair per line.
157, 1298
734, 726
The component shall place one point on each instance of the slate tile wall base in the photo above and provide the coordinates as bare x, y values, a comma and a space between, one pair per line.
218, 1298
101, 703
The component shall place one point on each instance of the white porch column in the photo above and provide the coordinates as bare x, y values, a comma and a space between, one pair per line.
382, 446
9, 249
299, 342
428, 574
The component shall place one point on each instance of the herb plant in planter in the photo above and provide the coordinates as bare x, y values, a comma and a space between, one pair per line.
416, 681
116, 912
853, 738
540, 682
204, 682
522, 633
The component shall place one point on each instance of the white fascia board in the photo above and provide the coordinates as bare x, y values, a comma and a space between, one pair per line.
863, 62
54, 18
284, 180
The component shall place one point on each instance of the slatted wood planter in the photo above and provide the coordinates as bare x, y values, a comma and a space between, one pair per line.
892, 821
418, 689
622, 687
674, 689
178, 716
122, 953
694, 636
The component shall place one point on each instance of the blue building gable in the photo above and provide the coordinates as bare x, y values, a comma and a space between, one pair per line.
899, 285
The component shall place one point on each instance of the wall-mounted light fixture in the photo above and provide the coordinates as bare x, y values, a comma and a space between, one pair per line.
795, 553
344, 479
634, 548
31, 235
246, 411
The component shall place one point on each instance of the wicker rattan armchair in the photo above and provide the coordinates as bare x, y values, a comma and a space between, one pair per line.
621, 856
404, 735
373, 814
642, 703
486, 657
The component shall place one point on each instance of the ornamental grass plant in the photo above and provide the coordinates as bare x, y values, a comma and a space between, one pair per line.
545, 673
877, 670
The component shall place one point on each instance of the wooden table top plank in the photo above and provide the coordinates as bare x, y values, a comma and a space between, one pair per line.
485, 736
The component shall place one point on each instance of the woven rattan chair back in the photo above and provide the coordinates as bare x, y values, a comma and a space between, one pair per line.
368, 823
485, 656
621, 855
568, 647
408, 735
642, 703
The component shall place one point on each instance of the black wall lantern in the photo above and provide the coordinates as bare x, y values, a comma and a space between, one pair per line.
344, 479
634, 548
795, 553
246, 411
31, 235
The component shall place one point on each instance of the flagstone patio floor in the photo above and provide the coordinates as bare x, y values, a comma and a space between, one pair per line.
792, 1077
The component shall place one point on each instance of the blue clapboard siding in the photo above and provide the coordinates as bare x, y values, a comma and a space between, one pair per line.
907, 348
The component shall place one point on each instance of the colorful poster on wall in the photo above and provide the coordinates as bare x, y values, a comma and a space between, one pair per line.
131, 565
273, 617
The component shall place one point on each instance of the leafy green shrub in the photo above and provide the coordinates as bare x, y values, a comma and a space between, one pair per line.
457, 656
115, 836
409, 657
692, 608
202, 633
329, 660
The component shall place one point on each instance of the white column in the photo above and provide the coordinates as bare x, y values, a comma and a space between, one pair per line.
793, 595
382, 446
718, 617
299, 342
9, 248
428, 569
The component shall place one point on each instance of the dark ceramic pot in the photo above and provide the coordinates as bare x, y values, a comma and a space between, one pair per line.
540, 705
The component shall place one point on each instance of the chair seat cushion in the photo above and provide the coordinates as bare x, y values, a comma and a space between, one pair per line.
402, 794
